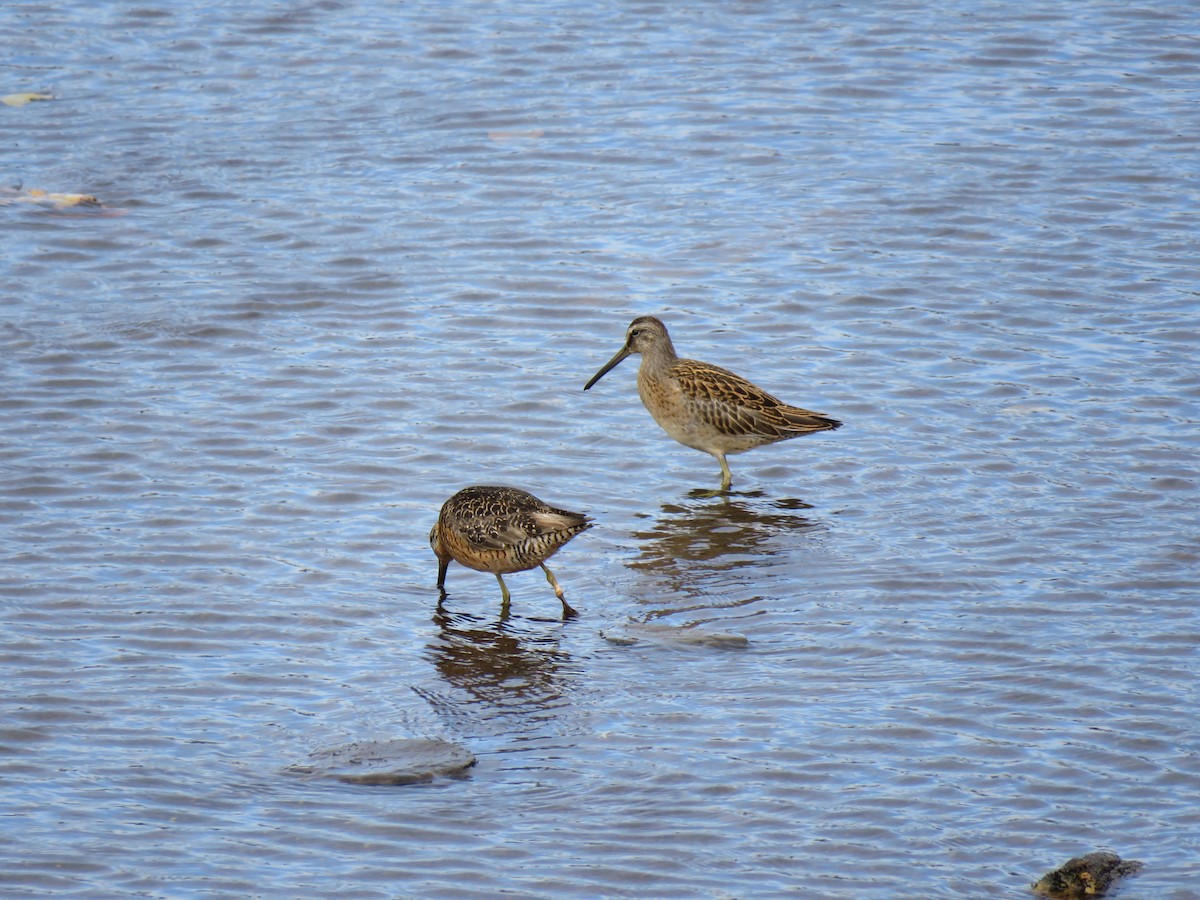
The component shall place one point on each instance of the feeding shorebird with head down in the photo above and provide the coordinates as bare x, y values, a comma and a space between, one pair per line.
706, 407
502, 530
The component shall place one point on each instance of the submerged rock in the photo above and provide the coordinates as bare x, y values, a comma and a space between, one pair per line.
59, 203
1090, 875
388, 762
639, 632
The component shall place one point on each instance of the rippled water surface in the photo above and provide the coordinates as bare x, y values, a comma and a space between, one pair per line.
353, 256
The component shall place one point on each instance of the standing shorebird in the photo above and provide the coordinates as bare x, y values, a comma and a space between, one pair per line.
502, 530
704, 406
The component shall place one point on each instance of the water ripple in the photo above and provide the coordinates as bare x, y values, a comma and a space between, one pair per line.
350, 259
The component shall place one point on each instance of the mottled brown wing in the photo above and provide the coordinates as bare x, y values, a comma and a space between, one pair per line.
497, 532
735, 406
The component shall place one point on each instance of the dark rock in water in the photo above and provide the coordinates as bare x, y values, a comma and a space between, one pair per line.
1090, 875
388, 762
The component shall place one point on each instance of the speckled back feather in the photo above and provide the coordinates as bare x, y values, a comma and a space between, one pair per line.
502, 529
734, 406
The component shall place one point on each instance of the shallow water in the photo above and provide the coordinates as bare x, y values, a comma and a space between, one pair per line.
353, 257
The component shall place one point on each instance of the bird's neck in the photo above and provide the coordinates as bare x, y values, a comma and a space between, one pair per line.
658, 359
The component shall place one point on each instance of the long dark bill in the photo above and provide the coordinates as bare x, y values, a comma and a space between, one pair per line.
443, 564
621, 354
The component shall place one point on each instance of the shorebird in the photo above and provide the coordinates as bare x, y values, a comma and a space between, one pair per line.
502, 530
704, 406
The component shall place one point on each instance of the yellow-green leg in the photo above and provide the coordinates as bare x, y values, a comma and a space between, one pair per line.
726, 475
505, 596
558, 591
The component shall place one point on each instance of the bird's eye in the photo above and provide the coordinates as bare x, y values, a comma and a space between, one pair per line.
635, 332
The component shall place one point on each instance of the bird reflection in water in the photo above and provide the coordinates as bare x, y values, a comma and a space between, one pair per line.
714, 535
493, 663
